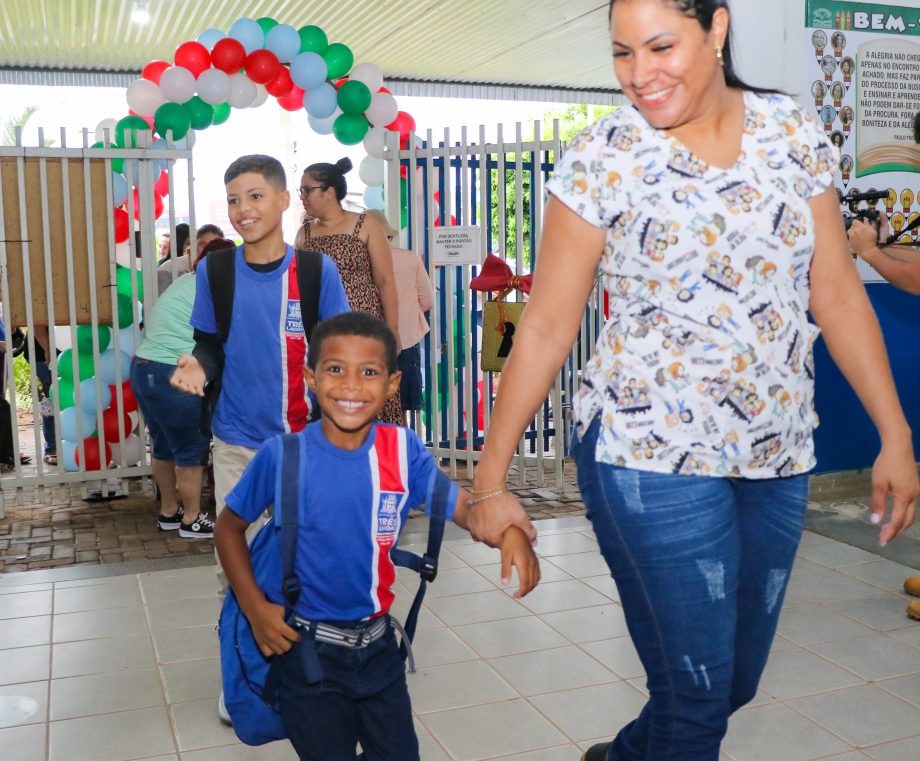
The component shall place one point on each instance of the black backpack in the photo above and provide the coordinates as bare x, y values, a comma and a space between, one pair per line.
222, 281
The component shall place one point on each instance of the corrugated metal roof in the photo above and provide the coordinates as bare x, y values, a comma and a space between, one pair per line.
535, 43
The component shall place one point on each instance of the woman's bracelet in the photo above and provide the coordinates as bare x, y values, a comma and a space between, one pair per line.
484, 495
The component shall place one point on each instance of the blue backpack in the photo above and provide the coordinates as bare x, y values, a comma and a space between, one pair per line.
248, 676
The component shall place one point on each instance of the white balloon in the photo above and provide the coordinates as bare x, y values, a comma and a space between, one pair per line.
372, 171
144, 97
323, 126
128, 453
135, 419
369, 74
106, 125
382, 110
242, 91
123, 255
214, 86
375, 142
63, 340
261, 96
178, 84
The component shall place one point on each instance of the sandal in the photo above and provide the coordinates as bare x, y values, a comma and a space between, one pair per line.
50, 458
24, 459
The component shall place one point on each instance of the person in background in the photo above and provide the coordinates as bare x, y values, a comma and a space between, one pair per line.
173, 268
415, 296
358, 247
163, 249
709, 208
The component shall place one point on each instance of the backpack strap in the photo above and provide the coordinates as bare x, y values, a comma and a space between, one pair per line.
440, 491
309, 282
222, 281
287, 505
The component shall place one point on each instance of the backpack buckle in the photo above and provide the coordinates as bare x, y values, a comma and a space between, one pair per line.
429, 569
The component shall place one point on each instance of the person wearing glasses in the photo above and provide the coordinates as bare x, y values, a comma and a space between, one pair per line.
358, 246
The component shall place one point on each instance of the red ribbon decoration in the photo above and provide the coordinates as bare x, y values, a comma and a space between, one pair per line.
496, 275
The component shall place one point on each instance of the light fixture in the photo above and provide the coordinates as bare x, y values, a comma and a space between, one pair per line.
140, 14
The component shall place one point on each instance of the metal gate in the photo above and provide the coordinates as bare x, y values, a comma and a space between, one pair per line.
497, 187
57, 213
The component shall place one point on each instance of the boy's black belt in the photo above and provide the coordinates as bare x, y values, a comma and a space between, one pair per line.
354, 639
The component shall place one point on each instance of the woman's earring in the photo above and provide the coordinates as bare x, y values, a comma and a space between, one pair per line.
719, 57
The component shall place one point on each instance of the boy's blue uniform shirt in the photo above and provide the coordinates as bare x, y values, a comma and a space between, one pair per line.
263, 388
353, 505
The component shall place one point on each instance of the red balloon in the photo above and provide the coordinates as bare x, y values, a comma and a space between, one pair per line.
261, 66
92, 449
403, 124
161, 186
121, 225
146, 117
193, 56
153, 70
339, 82
228, 55
127, 396
453, 221
437, 196
110, 425
157, 207
281, 85
293, 101
384, 89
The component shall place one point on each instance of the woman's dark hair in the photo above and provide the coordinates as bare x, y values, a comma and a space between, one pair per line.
217, 244
332, 175
362, 324
182, 233
703, 11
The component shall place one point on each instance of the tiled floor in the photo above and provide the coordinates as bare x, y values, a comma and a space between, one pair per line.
125, 667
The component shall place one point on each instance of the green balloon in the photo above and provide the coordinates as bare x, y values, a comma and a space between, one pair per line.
339, 60
354, 97
126, 312
117, 164
65, 393
200, 114
85, 367
313, 39
126, 131
171, 116
123, 283
221, 113
85, 336
350, 129
267, 24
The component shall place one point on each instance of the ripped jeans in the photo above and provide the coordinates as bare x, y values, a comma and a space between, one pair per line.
701, 565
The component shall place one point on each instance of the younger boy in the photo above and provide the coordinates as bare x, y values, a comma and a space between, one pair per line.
359, 476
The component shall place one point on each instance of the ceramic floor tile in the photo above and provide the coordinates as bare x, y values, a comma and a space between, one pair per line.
565, 668
581, 564
29, 741
564, 544
772, 732
276, 751
191, 680
475, 608
548, 573
194, 643
796, 673
837, 554
810, 538
166, 586
25, 703
100, 655
25, 604
910, 634
903, 750
92, 624
25, 664
883, 611
562, 595
25, 632
823, 585
105, 693
885, 574
122, 592
446, 560
473, 553
599, 711
862, 716
605, 585
501, 729
806, 626
437, 647
456, 685
19, 588
428, 747
619, 655
112, 737
905, 687
458, 581
197, 726
872, 657
180, 614
589, 624
514, 635
562, 753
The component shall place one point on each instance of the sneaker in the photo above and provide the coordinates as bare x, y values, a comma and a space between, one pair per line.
913, 609
912, 585
222, 711
597, 752
170, 522
202, 528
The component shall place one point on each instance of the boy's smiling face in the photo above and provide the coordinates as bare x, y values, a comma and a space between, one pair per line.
351, 383
255, 206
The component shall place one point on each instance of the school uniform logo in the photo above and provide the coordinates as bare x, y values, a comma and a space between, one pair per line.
388, 517
293, 320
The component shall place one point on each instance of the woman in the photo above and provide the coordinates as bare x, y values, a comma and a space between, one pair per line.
180, 449
357, 245
700, 204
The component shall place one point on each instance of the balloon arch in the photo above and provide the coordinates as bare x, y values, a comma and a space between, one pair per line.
209, 77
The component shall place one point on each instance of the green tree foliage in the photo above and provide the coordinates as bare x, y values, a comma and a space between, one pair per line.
10, 123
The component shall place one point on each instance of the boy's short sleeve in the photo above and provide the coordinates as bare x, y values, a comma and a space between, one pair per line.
255, 490
422, 470
332, 298
203, 317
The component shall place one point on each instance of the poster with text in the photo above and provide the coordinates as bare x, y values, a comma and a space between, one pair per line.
862, 64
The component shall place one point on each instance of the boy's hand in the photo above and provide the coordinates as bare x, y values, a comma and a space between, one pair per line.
517, 551
272, 635
189, 376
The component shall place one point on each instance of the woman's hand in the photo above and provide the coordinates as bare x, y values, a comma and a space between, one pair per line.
188, 376
894, 473
488, 519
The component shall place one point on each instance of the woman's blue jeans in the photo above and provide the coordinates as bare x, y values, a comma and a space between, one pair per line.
701, 565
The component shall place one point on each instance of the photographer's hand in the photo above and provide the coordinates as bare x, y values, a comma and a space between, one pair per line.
864, 239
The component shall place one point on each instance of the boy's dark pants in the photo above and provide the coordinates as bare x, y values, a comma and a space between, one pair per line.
363, 698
